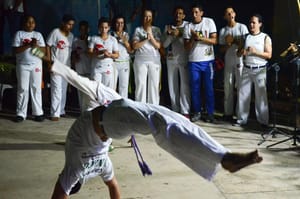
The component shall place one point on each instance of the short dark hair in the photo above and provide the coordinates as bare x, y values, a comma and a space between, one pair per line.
227, 7
103, 20
197, 5
178, 7
67, 17
25, 18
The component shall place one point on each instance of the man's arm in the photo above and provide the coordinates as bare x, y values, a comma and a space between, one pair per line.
97, 116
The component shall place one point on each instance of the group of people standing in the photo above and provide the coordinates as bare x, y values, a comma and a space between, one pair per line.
105, 57
187, 46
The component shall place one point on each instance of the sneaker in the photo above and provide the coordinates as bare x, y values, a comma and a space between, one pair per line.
19, 119
195, 117
54, 119
239, 123
210, 119
39, 118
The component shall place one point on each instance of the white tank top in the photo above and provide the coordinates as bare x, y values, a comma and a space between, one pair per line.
258, 42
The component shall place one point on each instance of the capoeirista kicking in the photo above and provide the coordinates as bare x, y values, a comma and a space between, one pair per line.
173, 132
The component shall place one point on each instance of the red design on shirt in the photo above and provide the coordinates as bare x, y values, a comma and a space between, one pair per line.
99, 47
108, 72
61, 44
37, 70
26, 41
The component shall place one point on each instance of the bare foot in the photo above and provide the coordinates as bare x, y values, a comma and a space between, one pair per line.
236, 161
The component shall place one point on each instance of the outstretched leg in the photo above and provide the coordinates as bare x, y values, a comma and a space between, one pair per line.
113, 187
236, 161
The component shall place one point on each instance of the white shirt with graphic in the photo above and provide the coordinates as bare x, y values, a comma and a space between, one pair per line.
61, 46
23, 38
200, 50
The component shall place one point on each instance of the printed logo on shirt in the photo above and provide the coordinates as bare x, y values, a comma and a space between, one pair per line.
26, 41
99, 47
37, 70
61, 44
208, 51
93, 164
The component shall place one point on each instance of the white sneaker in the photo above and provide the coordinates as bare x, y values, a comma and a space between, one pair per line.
239, 123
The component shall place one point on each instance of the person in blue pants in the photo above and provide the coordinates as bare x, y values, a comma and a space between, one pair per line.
200, 35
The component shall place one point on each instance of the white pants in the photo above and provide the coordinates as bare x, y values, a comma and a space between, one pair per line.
178, 76
58, 95
29, 81
147, 79
121, 75
259, 78
232, 76
173, 132
104, 74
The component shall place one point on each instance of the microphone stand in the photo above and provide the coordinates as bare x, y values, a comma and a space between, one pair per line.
274, 129
295, 136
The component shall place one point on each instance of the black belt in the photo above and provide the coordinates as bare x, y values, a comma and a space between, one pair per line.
255, 67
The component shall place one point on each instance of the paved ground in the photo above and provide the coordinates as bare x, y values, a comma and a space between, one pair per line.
31, 156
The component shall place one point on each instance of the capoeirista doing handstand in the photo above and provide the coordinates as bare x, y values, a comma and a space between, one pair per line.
173, 132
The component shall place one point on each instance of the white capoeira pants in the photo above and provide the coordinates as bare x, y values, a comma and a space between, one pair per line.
58, 95
121, 77
173, 132
147, 79
232, 76
29, 83
258, 77
104, 74
179, 89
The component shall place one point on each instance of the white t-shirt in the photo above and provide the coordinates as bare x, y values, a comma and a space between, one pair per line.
176, 44
123, 54
83, 65
238, 32
201, 51
83, 136
98, 44
21, 38
61, 46
147, 52
258, 42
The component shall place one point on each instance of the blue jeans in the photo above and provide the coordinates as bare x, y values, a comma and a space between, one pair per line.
197, 71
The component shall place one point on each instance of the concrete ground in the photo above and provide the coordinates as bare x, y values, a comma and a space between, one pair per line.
32, 155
